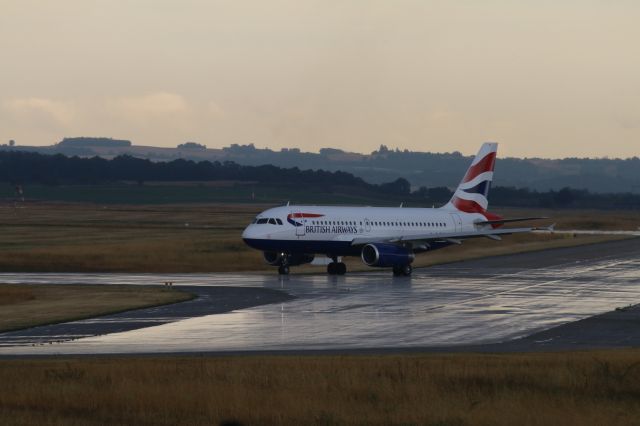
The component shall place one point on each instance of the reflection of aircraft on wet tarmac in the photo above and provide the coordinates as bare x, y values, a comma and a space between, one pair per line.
381, 236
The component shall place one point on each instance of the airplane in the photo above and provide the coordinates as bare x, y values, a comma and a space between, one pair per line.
385, 237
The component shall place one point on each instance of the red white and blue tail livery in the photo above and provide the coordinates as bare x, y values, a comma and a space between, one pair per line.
471, 195
381, 236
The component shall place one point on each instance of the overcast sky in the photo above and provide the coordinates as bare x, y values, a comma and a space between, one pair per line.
542, 78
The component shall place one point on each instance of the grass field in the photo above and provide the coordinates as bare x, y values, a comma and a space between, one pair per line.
590, 388
23, 306
63, 237
159, 193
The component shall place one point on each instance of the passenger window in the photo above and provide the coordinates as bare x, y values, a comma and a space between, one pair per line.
262, 221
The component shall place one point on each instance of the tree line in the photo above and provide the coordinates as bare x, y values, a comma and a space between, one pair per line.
20, 168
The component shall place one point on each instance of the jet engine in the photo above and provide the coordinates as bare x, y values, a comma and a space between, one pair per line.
272, 258
276, 259
386, 255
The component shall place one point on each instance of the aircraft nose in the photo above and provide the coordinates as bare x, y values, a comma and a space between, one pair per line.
250, 232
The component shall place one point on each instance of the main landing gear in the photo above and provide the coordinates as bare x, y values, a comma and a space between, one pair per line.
402, 270
336, 268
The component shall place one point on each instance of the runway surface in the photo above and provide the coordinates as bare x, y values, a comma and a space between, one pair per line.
478, 302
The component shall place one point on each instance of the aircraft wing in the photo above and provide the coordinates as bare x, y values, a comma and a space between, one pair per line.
454, 237
503, 221
623, 233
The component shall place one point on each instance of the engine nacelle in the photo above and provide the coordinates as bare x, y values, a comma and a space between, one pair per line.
276, 259
386, 255
272, 258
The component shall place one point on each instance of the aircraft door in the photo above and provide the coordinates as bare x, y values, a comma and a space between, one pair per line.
297, 218
457, 222
367, 225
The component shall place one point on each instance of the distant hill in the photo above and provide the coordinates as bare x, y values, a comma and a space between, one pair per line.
126, 179
383, 165
90, 142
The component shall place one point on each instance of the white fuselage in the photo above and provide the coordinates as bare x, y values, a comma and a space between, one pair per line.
330, 230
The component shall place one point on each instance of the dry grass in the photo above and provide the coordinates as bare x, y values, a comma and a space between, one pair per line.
206, 238
10, 295
30, 305
591, 388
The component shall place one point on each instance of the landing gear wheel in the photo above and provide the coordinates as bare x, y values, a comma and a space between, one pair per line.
283, 270
402, 270
336, 268
406, 270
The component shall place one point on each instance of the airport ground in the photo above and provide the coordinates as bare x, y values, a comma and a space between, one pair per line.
572, 388
79, 237
590, 387
27, 306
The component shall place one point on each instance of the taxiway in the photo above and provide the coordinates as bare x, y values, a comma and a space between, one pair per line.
472, 304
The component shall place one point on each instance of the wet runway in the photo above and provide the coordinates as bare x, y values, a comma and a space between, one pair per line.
475, 302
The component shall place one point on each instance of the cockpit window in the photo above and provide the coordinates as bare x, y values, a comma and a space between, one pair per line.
254, 220
272, 221
262, 220
279, 221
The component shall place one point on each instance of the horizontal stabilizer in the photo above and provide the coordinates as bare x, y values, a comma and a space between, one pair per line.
503, 221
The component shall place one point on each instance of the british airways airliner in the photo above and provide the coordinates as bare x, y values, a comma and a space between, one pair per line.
381, 236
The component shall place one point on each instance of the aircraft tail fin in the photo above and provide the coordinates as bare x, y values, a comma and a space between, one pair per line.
472, 193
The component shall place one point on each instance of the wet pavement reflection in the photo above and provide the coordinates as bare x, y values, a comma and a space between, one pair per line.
480, 301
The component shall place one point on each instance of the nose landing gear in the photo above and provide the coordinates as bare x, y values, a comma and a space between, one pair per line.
283, 270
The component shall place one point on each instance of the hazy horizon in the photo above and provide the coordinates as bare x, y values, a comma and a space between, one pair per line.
544, 79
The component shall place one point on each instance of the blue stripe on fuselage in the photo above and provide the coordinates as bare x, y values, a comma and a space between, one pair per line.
336, 248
